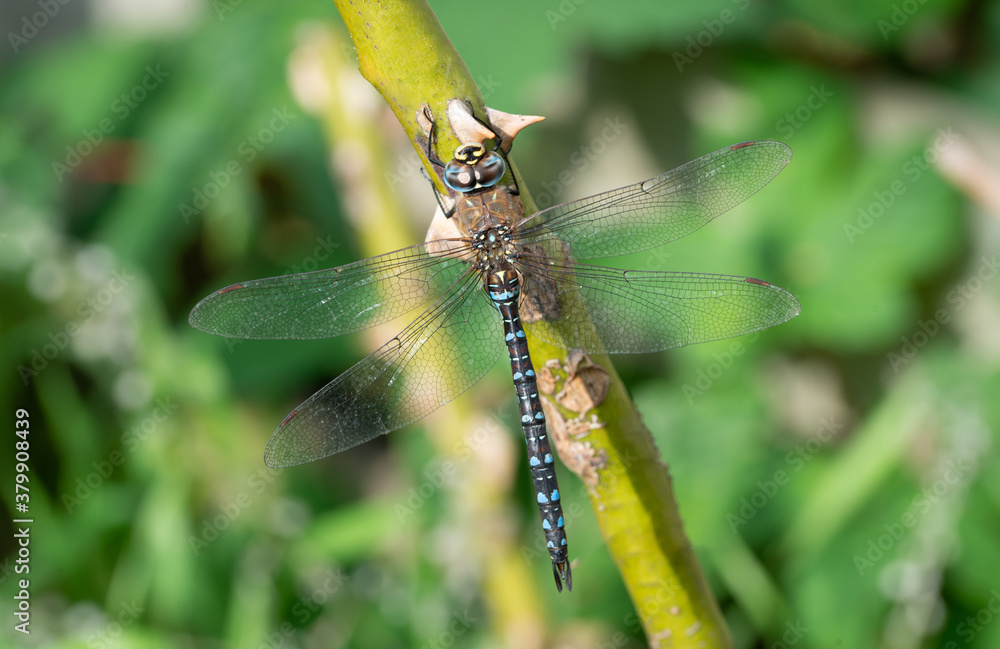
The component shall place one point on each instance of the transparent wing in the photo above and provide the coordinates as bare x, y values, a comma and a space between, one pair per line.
438, 356
332, 302
610, 311
662, 209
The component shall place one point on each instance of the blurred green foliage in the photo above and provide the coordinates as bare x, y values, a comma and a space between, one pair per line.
838, 474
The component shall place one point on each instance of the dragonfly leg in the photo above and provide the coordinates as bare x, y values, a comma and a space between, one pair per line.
431, 139
434, 160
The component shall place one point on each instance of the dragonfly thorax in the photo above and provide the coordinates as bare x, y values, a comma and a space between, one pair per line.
476, 212
492, 247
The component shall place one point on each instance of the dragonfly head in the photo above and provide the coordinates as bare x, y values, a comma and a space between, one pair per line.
472, 168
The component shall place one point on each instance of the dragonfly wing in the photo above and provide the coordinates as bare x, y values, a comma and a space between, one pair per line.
328, 303
438, 356
627, 311
662, 209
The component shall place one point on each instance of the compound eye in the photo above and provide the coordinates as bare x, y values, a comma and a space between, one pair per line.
490, 169
459, 177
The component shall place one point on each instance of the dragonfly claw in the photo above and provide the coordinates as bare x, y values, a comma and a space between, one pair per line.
561, 571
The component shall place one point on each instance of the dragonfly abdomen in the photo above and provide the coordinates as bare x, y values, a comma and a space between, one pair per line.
503, 286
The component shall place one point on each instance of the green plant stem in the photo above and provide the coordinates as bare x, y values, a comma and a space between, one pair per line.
405, 54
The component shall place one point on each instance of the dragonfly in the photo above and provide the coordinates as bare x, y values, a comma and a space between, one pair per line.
507, 275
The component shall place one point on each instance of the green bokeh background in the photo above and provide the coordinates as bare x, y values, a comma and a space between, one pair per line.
837, 474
